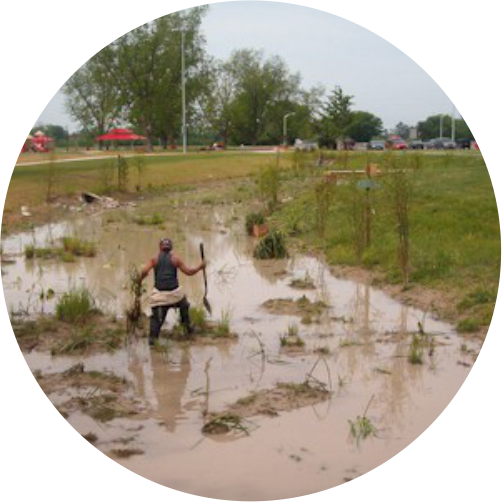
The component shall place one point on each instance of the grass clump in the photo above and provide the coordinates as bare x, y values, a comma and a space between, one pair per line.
222, 329
153, 220
253, 219
362, 427
292, 337
78, 247
198, 317
272, 246
75, 306
224, 423
468, 325
416, 353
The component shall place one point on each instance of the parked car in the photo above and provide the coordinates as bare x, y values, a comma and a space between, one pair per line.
399, 144
441, 144
416, 144
376, 145
306, 146
464, 144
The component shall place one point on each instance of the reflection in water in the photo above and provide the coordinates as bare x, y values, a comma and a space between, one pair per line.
170, 383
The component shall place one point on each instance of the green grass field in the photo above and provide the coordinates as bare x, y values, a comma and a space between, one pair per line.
28, 185
453, 227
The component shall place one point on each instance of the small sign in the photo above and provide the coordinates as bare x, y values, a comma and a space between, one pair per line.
367, 184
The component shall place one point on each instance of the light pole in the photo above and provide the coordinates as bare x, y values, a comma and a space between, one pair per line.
183, 93
285, 127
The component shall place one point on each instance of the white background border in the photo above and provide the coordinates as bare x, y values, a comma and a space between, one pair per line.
42, 43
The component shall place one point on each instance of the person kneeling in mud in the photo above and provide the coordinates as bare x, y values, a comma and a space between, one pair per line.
167, 293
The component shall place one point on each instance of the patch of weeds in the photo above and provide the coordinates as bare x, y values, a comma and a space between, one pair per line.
222, 329
198, 318
346, 342
253, 219
246, 401
80, 340
136, 290
91, 437
153, 220
382, 371
224, 423
478, 297
304, 283
127, 452
75, 306
468, 325
362, 427
323, 351
292, 338
79, 247
272, 246
416, 352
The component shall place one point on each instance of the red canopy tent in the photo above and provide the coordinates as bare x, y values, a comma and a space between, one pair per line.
120, 135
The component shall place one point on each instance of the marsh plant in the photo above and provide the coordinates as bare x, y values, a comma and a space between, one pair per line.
139, 165
399, 184
51, 171
272, 246
323, 201
136, 289
268, 184
292, 337
362, 427
122, 174
76, 306
359, 227
222, 328
106, 176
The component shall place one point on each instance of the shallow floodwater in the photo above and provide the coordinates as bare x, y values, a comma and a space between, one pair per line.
296, 453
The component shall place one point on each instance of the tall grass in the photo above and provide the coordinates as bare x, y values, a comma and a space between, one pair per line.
76, 306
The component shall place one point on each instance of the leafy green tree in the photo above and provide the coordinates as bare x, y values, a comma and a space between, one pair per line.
402, 130
430, 129
364, 126
336, 118
92, 98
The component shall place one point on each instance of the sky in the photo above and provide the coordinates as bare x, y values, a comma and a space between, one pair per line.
324, 49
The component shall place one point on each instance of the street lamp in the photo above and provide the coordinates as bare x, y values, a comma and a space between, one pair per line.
285, 127
183, 94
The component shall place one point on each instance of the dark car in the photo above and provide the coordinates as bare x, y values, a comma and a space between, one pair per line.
464, 144
416, 145
376, 145
441, 144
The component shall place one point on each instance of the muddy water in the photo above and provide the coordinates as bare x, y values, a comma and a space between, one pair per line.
297, 453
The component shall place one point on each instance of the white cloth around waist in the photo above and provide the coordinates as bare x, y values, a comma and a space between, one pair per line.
166, 298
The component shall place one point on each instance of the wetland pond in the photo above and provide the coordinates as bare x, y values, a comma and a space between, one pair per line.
355, 346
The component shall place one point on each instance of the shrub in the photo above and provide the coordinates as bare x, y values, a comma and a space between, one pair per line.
272, 246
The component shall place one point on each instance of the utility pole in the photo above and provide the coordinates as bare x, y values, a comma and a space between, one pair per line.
441, 126
183, 96
453, 125
285, 127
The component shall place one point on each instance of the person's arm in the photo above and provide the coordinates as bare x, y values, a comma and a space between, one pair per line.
178, 262
146, 269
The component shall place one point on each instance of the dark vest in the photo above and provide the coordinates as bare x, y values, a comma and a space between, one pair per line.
166, 274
